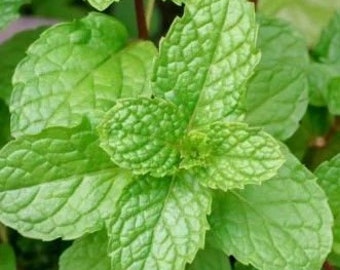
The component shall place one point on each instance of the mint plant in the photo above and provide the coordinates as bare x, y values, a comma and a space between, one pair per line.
172, 155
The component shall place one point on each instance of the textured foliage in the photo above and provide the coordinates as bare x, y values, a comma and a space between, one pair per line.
169, 159
98, 43
279, 80
58, 183
263, 225
159, 223
237, 156
192, 69
135, 132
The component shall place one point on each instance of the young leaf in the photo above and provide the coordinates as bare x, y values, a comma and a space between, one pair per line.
237, 155
9, 10
160, 223
328, 174
206, 58
279, 81
101, 4
76, 69
210, 259
283, 224
308, 16
58, 183
11, 52
143, 135
87, 253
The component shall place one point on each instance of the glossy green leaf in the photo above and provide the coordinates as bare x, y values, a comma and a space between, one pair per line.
9, 10
160, 223
210, 259
328, 174
101, 4
11, 52
206, 59
7, 258
306, 15
236, 155
76, 69
279, 81
143, 135
87, 253
284, 224
58, 183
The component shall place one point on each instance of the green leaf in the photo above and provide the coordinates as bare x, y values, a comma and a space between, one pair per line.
58, 183
279, 81
210, 259
333, 98
328, 173
11, 52
9, 11
76, 69
327, 49
143, 135
206, 59
308, 16
87, 253
160, 223
7, 257
101, 4
237, 155
283, 224
319, 76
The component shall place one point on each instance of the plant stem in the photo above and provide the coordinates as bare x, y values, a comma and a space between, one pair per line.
141, 22
327, 266
149, 12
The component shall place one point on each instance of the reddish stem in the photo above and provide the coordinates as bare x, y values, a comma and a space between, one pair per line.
141, 21
328, 266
